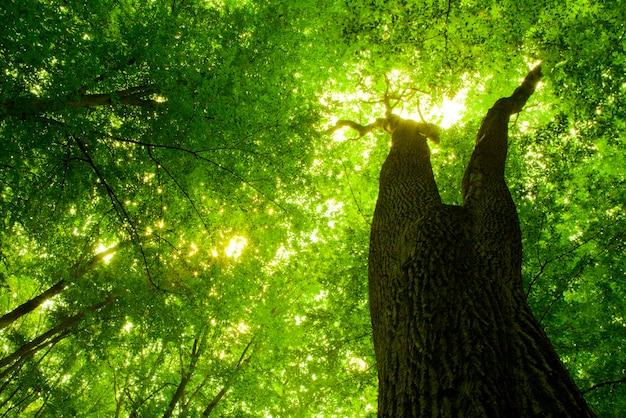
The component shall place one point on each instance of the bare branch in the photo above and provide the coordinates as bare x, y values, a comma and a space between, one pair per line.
180, 187
122, 213
599, 385
362, 130
242, 360
29, 106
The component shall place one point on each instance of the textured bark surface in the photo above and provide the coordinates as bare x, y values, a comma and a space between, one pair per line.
453, 334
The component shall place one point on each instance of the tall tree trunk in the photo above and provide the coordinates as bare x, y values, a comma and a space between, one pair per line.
453, 334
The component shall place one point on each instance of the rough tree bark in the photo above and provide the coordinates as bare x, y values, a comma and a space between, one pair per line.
453, 334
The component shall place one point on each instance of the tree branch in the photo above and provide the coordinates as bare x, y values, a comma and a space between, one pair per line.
29, 306
29, 106
119, 208
226, 386
183, 381
362, 130
599, 385
180, 187
43, 340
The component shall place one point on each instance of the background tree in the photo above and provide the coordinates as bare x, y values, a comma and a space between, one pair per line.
186, 136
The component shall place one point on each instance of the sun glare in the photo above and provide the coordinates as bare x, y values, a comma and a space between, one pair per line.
102, 248
447, 114
235, 247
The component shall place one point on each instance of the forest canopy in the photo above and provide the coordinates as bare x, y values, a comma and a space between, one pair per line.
181, 235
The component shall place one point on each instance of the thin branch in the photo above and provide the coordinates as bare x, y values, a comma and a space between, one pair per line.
197, 155
119, 209
568, 282
574, 247
226, 386
115, 201
419, 111
599, 385
180, 187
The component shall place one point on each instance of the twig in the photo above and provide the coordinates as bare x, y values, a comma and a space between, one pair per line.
345, 169
599, 385
180, 187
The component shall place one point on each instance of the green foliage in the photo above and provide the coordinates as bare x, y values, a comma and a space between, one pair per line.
242, 230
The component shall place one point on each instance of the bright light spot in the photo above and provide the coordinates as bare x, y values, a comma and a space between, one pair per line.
47, 304
242, 327
451, 110
575, 236
36, 89
524, 126
72, 210
235, 247
313, 236
100, 249
282, 254
321, 295
340, 134
194, 249
536, 158
398, 77
161, 224
333, 206
160, 99
270, 211
147, 177
613, 211
214, 253
531, 64
126, 328
357, 364
300, 319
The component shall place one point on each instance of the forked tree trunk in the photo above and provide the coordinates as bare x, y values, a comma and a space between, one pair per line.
453, 334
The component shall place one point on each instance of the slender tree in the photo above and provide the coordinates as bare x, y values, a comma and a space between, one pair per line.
453, 334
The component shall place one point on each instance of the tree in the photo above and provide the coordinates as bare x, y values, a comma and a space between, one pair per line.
167, 157
453, 333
